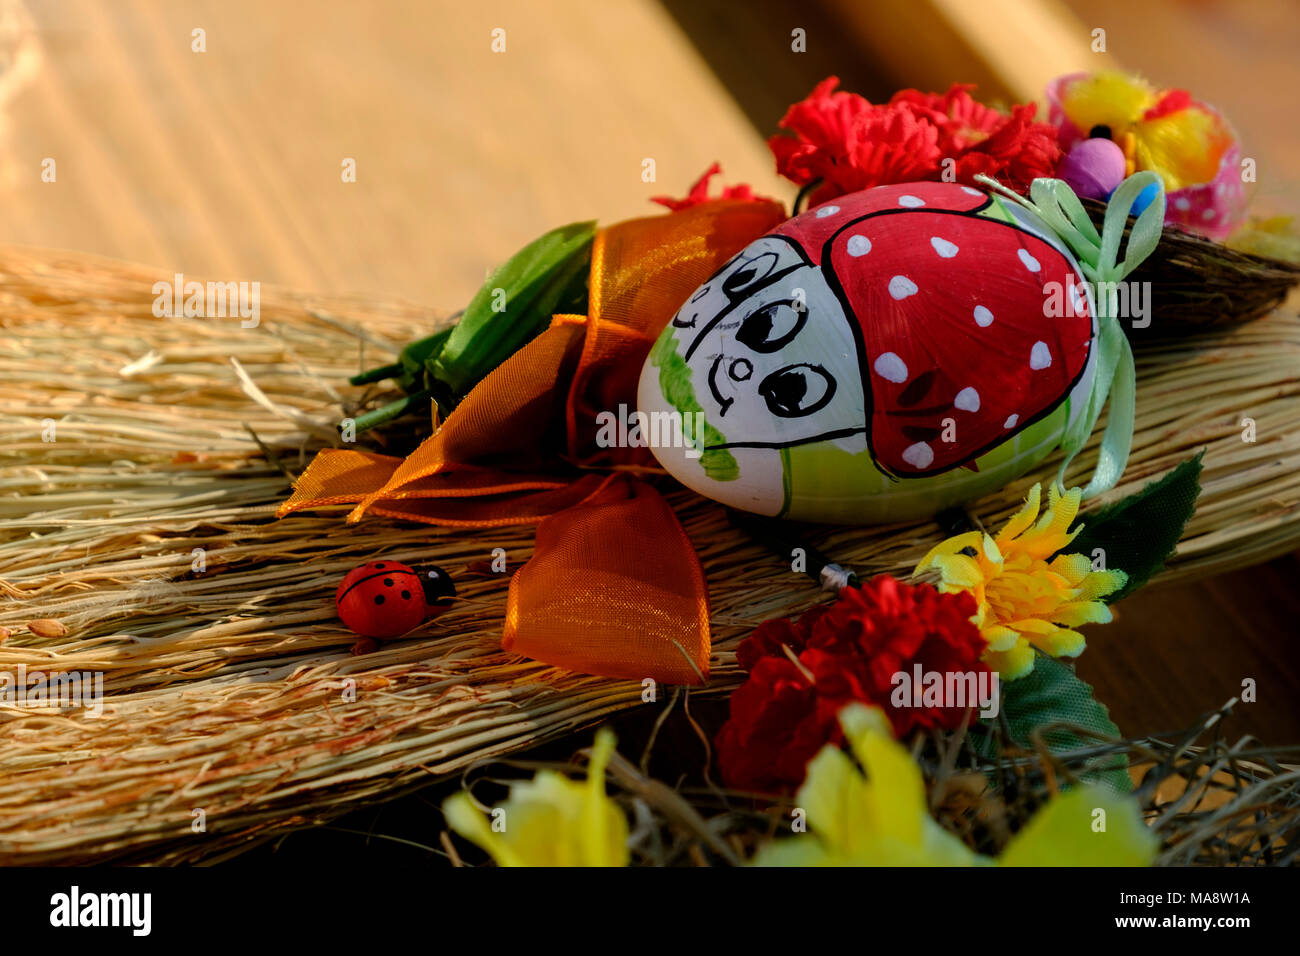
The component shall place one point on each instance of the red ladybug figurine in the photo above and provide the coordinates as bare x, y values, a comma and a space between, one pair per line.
387, 598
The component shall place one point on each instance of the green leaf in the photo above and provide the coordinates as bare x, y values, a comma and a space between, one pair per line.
1137, 534
1052, 693
515, 304
1070, 831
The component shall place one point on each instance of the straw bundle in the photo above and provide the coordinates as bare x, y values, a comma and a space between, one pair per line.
233, 709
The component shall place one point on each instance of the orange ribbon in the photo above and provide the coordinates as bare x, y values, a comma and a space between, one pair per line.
614, 586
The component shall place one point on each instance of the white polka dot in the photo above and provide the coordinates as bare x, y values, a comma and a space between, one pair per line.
911, 202
1183, 203
1032, 264
970, 191
900, 287
1208, 215
968, 400
919, 455
983, 317
859, 246
1011, 421
1039, 356
945, 248
824, 211
889, 366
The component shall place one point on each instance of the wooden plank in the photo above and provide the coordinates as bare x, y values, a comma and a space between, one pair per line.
227, 163
1010, 48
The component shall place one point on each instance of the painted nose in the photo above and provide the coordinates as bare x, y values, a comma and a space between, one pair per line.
740, 370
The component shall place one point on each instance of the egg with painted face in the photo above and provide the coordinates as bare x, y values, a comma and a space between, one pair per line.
880, 357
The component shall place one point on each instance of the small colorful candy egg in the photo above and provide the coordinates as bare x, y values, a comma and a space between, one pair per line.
1093, 167
387, 598
1145, 198
880, 357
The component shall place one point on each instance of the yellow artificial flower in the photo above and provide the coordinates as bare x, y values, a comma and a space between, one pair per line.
1027, 598
880, 819
876, 820
1166, 131
550, 820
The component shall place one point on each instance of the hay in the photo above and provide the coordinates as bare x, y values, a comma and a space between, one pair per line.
226, 689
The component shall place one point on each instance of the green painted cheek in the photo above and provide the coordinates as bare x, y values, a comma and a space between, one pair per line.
679, 390
826, 483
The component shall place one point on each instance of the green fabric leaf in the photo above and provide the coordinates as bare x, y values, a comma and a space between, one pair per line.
515, 304
1070, 831
1052, 693
1137, 534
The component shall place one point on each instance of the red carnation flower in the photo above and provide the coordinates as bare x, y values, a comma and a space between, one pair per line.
802, 672
849, 144
770, 636
700, 192
778, 721
821, 125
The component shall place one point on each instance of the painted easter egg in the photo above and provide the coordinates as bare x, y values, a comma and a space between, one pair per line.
880, 357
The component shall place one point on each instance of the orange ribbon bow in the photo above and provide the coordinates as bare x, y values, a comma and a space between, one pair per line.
614, 586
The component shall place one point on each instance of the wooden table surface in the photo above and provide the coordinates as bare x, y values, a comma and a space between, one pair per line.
227, 163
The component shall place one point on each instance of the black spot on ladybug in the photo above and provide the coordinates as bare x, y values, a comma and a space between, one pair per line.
380, 566
388, 582
406, 595
379, 599
916, 389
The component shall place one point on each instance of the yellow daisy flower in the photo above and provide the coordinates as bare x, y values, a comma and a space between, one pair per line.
1027, 598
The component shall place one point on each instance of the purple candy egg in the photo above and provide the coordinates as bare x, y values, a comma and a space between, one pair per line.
1093, 167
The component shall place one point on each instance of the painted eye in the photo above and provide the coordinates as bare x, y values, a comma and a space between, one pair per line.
770, 328
797, 390
749, 273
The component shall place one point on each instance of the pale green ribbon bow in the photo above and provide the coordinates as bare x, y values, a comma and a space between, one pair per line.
1056, 204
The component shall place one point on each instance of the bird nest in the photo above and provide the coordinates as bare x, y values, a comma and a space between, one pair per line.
142, 462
